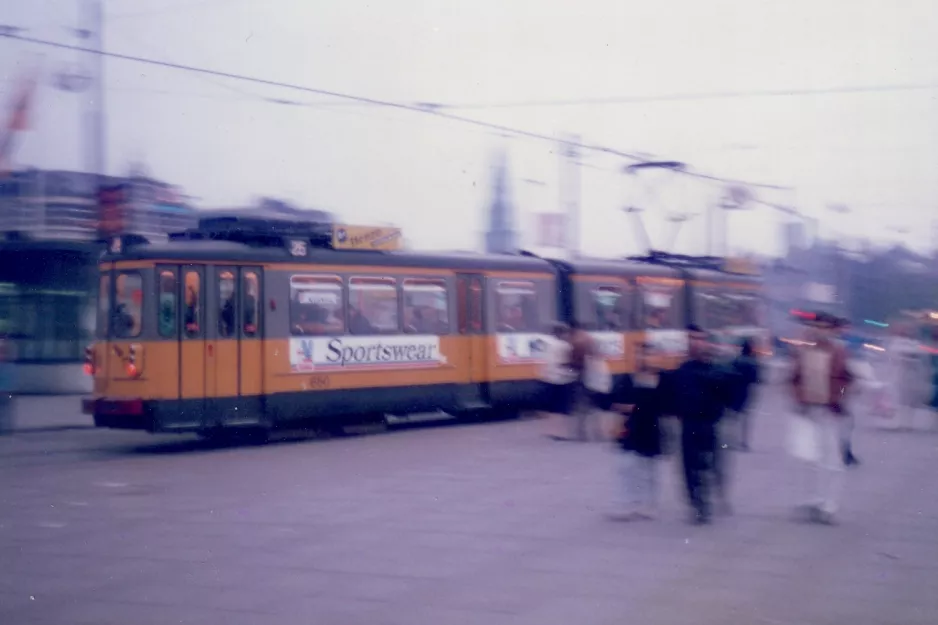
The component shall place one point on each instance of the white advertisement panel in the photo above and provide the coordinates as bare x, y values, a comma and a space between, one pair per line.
610, 344
522, 348
668, 342
348, 353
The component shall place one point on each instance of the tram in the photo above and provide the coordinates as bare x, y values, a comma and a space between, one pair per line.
261, 324
724, 297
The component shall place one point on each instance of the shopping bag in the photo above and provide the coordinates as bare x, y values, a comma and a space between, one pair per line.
803, 440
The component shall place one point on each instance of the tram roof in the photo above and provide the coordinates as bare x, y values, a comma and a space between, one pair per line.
617, 267
237, 253
710, 275
265, 238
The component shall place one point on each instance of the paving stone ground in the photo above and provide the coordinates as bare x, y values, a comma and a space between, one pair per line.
488, 524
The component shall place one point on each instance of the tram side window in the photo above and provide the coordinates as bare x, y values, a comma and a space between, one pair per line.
745, 310
226, 304
193, 317
516, 307
727, 312
104, 305
317, 305
167, 304
373, 305
251, 295
425, 307
609, 307
126, 317
709, 310
661, 307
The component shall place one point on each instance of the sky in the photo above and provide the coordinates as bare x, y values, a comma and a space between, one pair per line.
225, 142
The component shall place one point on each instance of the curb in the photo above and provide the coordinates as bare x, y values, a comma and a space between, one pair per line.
47, 429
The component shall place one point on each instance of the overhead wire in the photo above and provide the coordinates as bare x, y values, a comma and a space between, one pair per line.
433, 109
714, 95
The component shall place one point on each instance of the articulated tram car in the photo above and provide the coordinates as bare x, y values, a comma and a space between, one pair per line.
623, 303
261, 324
731, 306
233, 326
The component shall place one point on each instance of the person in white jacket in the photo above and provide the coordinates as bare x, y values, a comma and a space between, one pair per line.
906, 374
559, 377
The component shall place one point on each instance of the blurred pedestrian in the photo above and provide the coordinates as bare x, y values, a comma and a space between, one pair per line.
820, 379
701, 391
560, 380
583, 352
748, 374
638, 399
848, 418
907, 376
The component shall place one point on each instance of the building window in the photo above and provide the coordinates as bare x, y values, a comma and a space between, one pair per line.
49, 304
426, 309
373, 305
317, 305
126, 319
167, 304
226, 304
517, 307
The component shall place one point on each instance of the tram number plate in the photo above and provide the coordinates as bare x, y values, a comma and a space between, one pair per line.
319, 382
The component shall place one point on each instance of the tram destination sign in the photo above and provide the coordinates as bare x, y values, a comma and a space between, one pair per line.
349, 353
366, 238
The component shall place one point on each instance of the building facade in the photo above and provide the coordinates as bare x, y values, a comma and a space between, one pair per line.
50, 240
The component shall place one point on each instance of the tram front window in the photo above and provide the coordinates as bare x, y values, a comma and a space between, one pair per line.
126, 318
226, 298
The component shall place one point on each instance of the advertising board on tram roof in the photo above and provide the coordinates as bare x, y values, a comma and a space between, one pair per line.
383, 238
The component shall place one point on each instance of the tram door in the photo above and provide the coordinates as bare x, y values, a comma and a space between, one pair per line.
192, 345
235, 370
167, 376
470, 303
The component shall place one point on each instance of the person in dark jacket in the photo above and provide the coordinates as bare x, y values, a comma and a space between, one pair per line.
639, 399
746, 368
701, 391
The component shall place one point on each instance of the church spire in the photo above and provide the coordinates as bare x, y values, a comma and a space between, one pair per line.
501, 237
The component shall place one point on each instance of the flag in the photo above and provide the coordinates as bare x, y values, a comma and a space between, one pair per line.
17, 119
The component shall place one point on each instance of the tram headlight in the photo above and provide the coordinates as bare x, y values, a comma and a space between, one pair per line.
132, 369
89, 366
